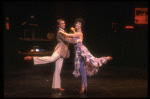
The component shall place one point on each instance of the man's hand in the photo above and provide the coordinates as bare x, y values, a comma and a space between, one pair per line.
79, 41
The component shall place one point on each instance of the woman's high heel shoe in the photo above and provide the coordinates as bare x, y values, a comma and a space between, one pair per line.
83, 90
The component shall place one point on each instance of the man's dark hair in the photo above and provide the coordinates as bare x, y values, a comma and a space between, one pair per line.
58, 21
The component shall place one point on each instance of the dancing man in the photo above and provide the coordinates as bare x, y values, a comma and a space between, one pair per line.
60, 52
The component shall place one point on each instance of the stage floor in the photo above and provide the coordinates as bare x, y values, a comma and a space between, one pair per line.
109, 82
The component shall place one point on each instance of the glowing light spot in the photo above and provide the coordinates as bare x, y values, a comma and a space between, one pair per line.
129, 27
37, 50
32, 50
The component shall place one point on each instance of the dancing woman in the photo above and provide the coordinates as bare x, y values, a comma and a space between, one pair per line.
84, 63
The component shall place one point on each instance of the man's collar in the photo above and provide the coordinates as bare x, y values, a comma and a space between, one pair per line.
61, 29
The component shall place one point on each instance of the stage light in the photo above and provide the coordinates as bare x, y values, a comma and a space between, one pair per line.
32, 50
37, 50
42, 50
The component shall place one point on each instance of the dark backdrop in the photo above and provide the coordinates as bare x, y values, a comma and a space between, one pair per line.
125, 46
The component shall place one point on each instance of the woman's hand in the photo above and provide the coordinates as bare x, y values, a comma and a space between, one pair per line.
73, 29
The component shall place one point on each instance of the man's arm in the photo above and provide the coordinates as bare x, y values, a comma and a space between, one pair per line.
71, 35
69, 40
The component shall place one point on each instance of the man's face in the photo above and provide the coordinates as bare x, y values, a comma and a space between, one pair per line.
78, 25
61, 24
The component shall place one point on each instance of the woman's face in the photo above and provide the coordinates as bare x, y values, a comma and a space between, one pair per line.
78, 25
